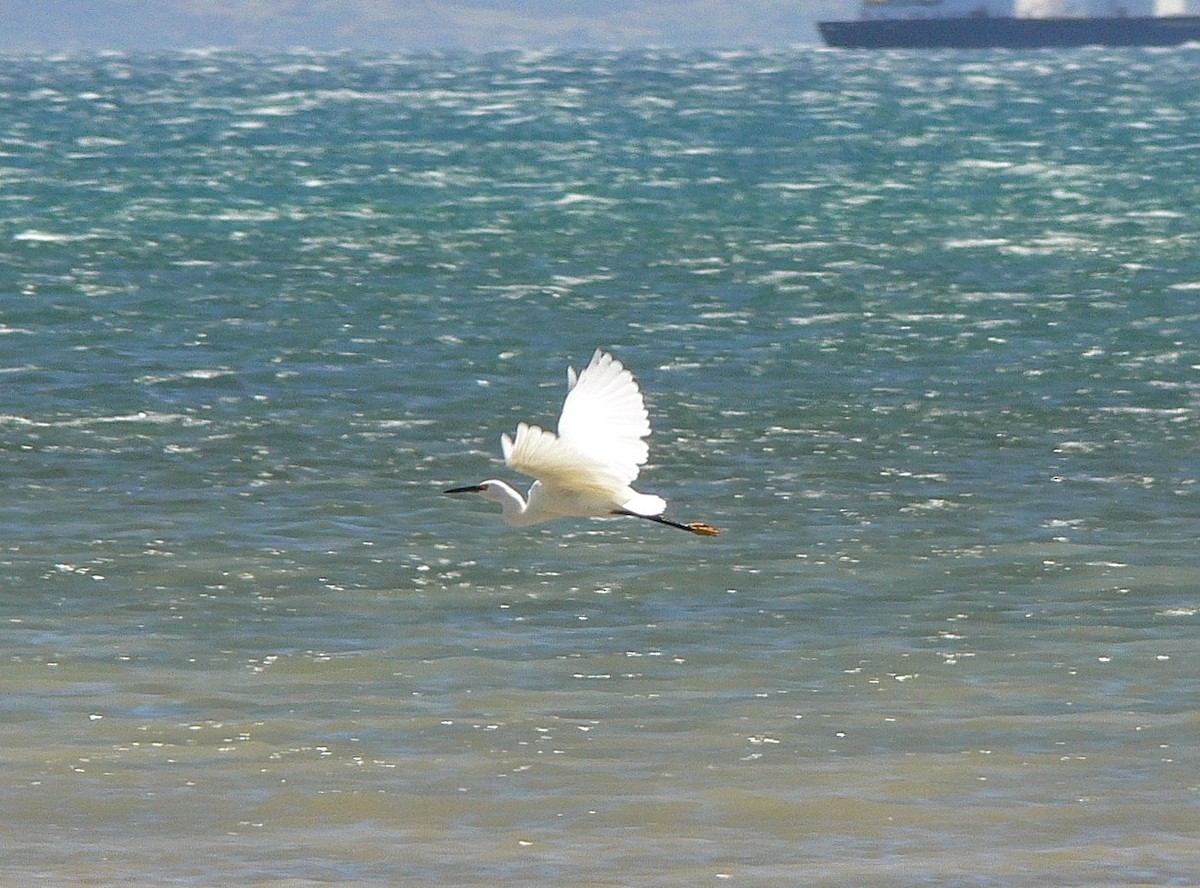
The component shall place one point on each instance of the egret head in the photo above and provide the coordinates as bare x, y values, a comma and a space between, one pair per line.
470, 488
489, 490
512, 503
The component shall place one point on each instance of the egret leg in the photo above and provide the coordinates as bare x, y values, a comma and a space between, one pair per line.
697, 527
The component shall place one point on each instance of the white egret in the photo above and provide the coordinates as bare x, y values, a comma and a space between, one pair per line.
587, 468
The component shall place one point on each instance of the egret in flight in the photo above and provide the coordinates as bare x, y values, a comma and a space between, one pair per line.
587, 468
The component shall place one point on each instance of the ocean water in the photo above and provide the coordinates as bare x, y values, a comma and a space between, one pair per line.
920, 333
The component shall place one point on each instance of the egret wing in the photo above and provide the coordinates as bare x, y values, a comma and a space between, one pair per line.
604, 417
557, 463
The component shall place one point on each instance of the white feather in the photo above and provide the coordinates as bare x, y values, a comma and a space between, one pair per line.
588, 467
605, 418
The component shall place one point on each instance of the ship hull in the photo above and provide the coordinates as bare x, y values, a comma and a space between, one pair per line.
1016, 33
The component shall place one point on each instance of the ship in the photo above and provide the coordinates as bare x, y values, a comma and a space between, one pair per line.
1011, 24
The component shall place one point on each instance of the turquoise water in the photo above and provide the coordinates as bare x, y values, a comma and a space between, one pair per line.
919, 333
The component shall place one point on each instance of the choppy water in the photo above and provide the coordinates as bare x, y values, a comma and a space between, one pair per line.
919, 333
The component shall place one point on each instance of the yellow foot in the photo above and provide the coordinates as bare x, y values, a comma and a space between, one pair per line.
703, 529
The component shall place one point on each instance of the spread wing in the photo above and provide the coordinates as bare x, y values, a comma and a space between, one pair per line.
588, 467
557, 464
604, 417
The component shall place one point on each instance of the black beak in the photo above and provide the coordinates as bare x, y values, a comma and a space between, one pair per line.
474, 488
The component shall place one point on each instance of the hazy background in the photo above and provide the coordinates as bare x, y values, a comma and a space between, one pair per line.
41, 25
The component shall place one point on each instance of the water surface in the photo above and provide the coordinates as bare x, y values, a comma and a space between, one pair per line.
919, 333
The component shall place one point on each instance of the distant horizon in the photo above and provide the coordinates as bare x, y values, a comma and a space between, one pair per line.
41, 26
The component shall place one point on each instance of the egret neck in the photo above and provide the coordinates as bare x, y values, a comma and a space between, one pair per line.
514, 510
